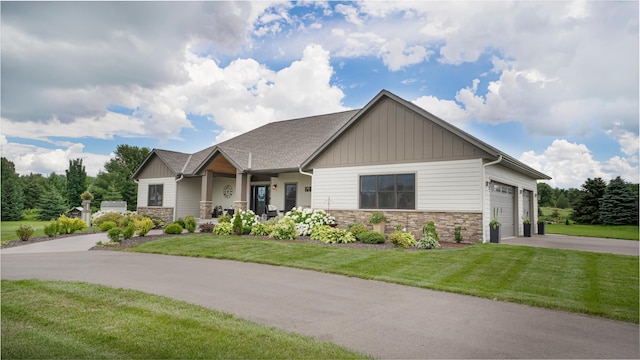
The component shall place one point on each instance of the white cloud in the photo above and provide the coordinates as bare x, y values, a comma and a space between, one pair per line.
447, 110
570, 164
396, 54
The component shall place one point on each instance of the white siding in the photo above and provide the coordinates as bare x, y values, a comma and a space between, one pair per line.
168, 195
501, 174
440, 186
188, 197
303, 181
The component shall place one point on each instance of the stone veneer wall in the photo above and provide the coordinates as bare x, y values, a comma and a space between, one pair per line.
206, 209
414, 221
163, 213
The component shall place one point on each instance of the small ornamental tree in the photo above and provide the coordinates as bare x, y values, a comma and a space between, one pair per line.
618, 205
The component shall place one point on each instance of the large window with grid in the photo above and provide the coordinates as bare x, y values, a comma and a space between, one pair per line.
388, 191
155, 195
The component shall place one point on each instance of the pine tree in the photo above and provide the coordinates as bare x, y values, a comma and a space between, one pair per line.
76, 178
52, 205
12, 199
587, 208
618, 205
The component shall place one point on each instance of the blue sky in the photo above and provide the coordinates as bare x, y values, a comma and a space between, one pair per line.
554, 84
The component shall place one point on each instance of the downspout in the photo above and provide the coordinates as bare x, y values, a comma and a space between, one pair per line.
175, 205
311, 176
484, 182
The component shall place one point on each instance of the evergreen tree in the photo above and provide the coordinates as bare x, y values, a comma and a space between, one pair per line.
618, 205
562, 201
12, 199
52, 205
33, 186
58, 182
112, 194
76, 177
120, 169
587, 208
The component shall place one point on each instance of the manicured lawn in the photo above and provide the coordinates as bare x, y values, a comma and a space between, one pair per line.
8, 229
562, 213
625, 232
592, 283
61, 320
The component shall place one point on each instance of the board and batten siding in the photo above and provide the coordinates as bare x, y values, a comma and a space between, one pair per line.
392, 133
504, 175
188, 190
168, 191
155, 168
440, 186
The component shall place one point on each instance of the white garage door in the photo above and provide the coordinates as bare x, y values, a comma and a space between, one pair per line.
502, 199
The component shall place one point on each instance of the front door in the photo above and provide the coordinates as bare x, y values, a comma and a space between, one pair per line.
290, 196
259, 196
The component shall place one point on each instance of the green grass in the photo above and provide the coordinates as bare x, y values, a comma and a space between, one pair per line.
592, 283
563, 213
8, 229
62, 320
624, 232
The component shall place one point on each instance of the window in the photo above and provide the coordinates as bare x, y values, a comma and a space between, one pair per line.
388, 191
155, 195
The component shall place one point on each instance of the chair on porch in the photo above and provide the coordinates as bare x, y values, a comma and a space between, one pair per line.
271, 211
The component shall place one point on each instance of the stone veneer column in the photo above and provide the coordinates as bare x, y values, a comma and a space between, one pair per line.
240, 205
206, 209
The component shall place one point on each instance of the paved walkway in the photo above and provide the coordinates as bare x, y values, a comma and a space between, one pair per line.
385, 320
613, 246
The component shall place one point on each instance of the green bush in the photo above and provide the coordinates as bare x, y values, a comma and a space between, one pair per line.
377, 217
331, 235
99, 217
71, 225
357, 229
224, 228
107, 225
224, 219
371, 237
52, 228
206, 227
190, 223
114, 234
261, 229
143, 226
237, 224
458, 234
430, 239
158, 223
307, 219
284, 229
173, 228
129, 231
25, 232
402, 239
180, 222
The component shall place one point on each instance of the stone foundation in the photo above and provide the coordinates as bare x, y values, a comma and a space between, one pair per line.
414, 221
206, 209
163, 213
240, 205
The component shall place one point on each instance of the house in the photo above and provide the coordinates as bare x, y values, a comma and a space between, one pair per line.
390, 155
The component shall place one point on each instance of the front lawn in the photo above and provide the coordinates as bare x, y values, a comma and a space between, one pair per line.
625, 232
62, 320
592, 283
8, 229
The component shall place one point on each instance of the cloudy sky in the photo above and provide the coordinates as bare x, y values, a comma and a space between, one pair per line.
554, 84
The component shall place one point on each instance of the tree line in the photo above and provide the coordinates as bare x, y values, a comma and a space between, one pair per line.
52, 195
596, 202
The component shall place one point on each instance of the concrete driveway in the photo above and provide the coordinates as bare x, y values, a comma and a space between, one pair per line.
386, 320
613, 246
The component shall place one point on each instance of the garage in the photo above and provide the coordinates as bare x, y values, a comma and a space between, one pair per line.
502, 203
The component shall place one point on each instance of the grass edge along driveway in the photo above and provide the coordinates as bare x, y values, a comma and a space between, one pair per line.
604, 285
71, 320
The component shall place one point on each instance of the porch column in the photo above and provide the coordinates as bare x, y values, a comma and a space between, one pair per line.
240, 202
206, 195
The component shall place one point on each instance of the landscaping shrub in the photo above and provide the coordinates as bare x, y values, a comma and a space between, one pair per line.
237, 224
129, 231
99, 217
107, 225
224, 228
173, 228
52, 228
458, 234
307, 219
357, 229
114, 234
206, 227
224, 219
371, 237
158, 223
70, 226
180, 222
330, 235
261, 229
25, 232
284, 229
190, 223
143, 225
430, 239
377, 217
402, 239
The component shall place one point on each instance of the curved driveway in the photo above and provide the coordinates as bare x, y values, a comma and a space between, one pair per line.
385, 320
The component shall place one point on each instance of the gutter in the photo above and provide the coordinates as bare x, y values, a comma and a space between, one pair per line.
304, 173
484, 181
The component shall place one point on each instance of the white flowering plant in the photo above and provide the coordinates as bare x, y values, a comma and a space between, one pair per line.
307, 219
